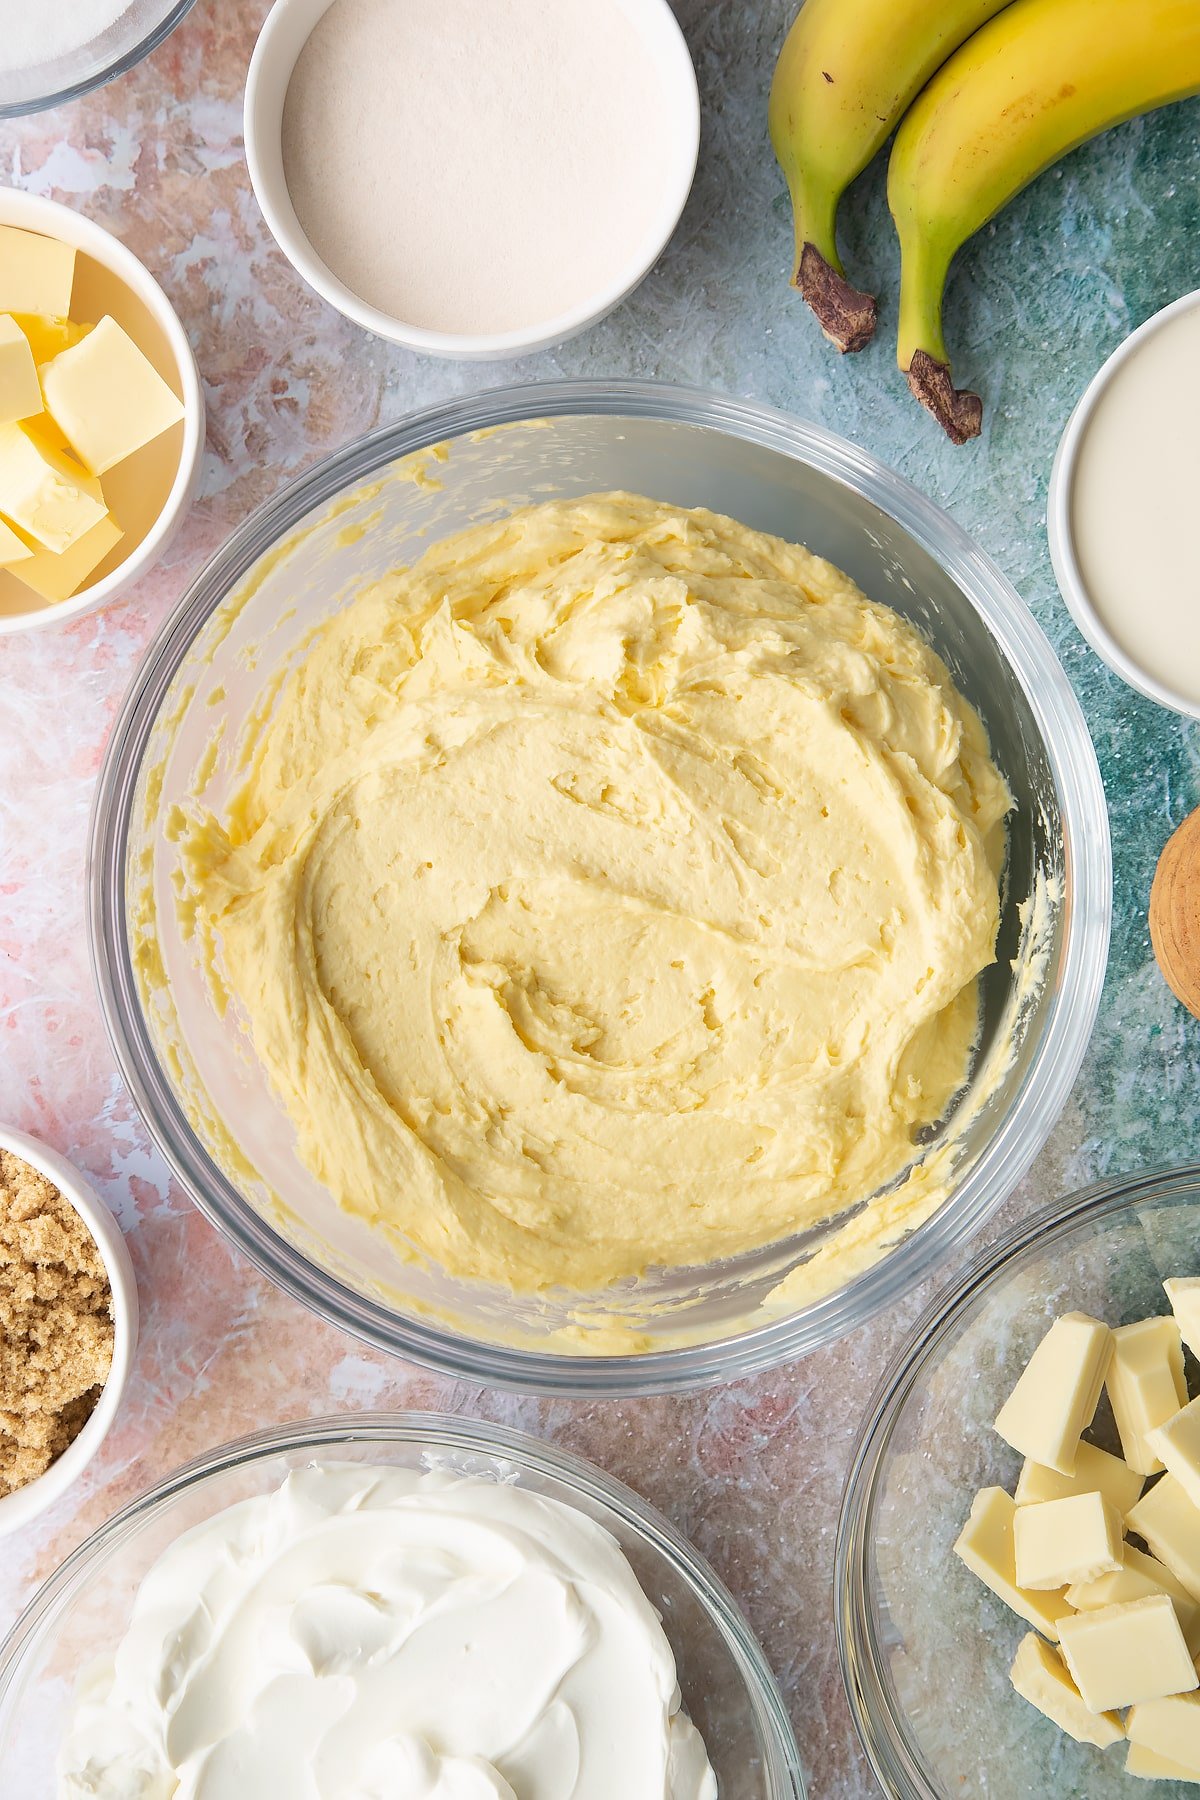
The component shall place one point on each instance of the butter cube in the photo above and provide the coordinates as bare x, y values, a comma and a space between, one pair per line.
985, 1544
1124, 1655
1146, 1385
1184, 1294
1170, 1524
1139, 1578
1095, 1472
1150, 1766
1170, 1727
1055, 1400
46, 337
57, 577
1177, 1445
12, 548
1039, 1676
1062, 1541
42, 490
20, 394
36, 273
107, 398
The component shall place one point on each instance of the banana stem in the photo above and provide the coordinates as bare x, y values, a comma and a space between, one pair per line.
845, 314
921, 346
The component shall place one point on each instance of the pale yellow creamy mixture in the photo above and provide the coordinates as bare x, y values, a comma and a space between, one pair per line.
607, 891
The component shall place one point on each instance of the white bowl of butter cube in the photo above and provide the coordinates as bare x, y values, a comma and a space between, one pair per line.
1018, 1558
101, 416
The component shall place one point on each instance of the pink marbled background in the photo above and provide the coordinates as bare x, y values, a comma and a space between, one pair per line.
751, 1472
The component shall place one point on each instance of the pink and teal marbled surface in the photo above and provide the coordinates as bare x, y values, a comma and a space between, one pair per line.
752, 1472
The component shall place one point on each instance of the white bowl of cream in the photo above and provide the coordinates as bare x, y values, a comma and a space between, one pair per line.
1122, 509
476, 179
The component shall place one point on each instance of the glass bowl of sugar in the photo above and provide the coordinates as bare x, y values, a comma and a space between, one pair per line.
51, 54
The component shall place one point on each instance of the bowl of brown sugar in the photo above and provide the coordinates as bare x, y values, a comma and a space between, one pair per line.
68, 1326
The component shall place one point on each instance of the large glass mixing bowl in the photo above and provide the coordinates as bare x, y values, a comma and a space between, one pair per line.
376, 504
82, 1611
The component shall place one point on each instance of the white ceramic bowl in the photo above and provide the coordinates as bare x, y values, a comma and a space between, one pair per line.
37, 1497
288, 27
1060, 530
151, 491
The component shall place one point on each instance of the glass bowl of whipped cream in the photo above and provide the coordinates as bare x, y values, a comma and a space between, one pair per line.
369, 1605
569, 934
926, 1648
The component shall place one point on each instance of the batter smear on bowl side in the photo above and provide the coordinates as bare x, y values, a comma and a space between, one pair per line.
608, 891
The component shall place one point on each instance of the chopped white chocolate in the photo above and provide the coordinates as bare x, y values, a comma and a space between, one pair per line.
1170, 1727
1096, 1471
1150, 1766
1140, 1577
1055, 1399
1125, 1655
1146, 1385
1062, 1541
1177, 1445
985, 1544
1040, 1676
1170, 1524
1184, 1294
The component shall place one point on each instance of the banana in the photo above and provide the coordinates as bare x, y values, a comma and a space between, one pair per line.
1040, 78
847, 72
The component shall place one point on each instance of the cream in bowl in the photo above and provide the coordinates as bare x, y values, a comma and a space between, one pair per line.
473, 179
1122, 509
101, 416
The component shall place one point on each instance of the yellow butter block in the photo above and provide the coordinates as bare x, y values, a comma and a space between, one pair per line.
1055, 1399
1184, 1294
58, 577
1040, 1676
1095, 1472
36, 273
1170, 1524
107, 398
43, 491
1125, 1655
13, 549
1177, 1446
48, 337
986, 1545
1170, 1727
20, 393
1139, 1578
1062, 1541
1146, 1385
1150, 1766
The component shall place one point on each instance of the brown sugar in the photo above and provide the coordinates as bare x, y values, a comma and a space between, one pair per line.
56, 1323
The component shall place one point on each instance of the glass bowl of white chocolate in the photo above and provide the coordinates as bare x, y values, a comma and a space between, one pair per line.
1023, 1624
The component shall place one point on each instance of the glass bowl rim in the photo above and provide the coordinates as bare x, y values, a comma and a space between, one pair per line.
887, 1747
1019, 1134
449, 1431
74, 90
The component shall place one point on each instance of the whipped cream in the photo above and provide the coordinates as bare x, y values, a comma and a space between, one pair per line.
371, 1633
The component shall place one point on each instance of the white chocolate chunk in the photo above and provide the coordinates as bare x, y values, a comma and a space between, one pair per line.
1170, 1727
1170, 1524
1055, 1399
1063, 1541
1096, 1471
1141, 1577
1184, 1294
1146, 1385
985, 1544
1177, 1445
1150, 1766
1125, 1655
1039, 1676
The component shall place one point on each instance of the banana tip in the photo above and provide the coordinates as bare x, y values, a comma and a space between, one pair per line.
845, 315
958, 411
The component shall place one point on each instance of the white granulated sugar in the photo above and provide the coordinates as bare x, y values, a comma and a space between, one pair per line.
476, 165
33, 32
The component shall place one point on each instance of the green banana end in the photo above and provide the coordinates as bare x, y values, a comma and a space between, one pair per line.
958, 411
845, 315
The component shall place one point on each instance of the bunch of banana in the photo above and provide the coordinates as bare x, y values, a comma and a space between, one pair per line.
996, 107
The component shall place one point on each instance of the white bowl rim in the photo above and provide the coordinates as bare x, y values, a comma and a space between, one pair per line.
270, 190
1061, 534
54, 220
36, 1497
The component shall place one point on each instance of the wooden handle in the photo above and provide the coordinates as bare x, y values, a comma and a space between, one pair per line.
1175, 913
